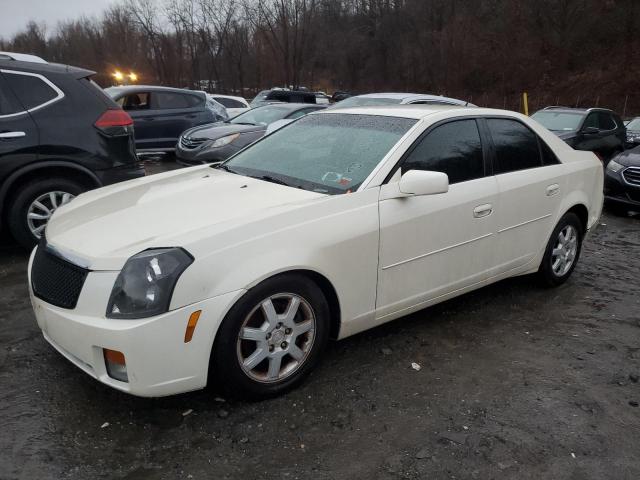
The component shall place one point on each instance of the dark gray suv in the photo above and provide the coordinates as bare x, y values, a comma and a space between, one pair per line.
597, 130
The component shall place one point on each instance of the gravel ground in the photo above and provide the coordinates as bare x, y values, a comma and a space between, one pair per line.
516, 381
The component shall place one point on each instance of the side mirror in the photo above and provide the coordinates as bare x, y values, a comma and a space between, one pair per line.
421, 182
590, 131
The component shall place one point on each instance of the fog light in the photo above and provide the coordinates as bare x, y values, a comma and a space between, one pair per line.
116, 365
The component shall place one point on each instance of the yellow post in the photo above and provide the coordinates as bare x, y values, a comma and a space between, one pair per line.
525, 103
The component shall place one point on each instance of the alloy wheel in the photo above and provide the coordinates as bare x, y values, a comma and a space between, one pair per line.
42, 208
565, 250
276, 337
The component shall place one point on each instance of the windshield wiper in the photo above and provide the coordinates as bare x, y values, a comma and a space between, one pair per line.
244, 123
225, 167
269, 178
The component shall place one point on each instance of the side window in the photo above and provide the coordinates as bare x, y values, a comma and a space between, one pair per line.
516, 147
32, 91
174, 100
548, 157
591, 121
135, 101
8, 103
229, 102
606, 122
453, 148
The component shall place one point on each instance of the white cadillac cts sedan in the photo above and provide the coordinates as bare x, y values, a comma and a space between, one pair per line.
346, 219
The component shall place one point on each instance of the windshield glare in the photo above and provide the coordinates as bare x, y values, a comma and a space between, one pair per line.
366, 101
325, 153
559, 121
263, 115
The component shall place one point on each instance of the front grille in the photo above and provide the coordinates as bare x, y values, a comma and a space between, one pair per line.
55, 280
191, 143
632, 175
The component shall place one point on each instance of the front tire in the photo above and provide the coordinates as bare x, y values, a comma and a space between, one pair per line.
563, 251
272, 338
33, 205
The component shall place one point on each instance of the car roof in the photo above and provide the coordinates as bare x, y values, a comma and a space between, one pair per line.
408, 97
44, 68
562, 109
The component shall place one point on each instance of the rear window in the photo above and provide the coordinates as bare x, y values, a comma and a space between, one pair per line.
174, 100
32, 90
229, 102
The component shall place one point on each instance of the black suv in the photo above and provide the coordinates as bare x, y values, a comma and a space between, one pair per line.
597, 130
60, 135
277, 95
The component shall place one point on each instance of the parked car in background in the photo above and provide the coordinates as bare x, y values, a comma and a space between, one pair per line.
344, 220
633, 133
381, 99
596, 130
322, 98
234, 105
338, 96
283, 96
60, 135
218, 141
622, 181
161, 114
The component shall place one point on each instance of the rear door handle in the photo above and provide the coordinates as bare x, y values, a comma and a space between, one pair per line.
483, 210
553, 190
12, 135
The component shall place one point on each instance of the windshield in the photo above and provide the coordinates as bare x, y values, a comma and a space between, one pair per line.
366, 101
559, 121
634, 124
325, 153
262, 115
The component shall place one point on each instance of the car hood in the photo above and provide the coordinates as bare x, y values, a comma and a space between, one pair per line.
213, 131
629, 158
101, 229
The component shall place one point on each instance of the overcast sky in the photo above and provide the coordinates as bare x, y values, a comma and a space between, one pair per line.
14, 14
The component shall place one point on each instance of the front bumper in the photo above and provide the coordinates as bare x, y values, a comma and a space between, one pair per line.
158, 360
617, 190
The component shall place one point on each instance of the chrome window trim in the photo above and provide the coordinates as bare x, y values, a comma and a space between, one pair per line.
49, 83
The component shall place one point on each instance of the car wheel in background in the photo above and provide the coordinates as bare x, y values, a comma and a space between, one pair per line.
272, 338
563, 251
34, 203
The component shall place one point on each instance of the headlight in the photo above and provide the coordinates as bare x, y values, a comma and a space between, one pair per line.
614, 166
221, 142
145, 284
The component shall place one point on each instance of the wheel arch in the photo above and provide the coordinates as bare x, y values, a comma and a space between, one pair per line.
49, 168
582, 212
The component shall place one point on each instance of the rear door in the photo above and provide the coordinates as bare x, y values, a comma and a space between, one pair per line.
138, 106
530, 184
173, 113
19, 136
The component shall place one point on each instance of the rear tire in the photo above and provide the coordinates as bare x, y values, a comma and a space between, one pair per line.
260, 353
22, 205
563, 251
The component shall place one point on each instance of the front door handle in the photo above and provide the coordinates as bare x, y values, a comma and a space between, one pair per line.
12, 135
483, 210
553, 190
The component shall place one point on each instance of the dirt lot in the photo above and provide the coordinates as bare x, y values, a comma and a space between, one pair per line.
516, 382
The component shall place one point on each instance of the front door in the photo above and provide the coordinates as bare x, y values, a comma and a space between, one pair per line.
436, 244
